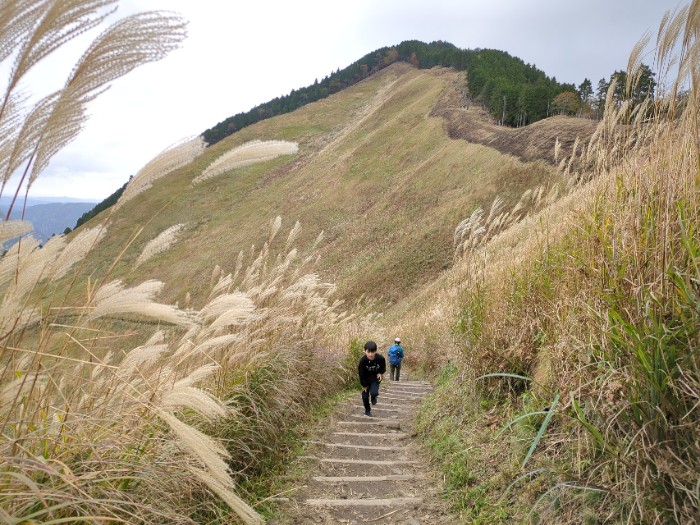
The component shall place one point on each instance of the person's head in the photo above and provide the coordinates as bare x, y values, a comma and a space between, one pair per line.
397, 341
371, 350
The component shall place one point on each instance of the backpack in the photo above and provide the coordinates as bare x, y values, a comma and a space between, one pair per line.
394, 355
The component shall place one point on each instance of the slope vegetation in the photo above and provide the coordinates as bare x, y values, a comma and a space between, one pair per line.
385, 168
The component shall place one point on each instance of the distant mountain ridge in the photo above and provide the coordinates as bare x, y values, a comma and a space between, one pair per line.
49, 218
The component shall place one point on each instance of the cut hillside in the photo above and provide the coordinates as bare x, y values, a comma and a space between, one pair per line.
385, 168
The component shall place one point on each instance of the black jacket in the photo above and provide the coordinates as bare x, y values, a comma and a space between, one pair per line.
368, 370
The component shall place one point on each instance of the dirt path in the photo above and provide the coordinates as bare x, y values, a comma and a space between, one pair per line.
370, 469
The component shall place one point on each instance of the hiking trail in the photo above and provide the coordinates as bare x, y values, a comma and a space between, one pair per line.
369, 469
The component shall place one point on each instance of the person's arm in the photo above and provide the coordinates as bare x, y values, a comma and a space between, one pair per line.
360, 370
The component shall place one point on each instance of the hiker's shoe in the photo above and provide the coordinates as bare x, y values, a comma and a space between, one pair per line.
374, 400
368, 413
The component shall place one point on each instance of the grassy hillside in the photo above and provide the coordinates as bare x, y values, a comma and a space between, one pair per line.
567, 347
156, 361
377, 171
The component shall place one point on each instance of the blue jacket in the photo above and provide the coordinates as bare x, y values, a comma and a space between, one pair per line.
395, 354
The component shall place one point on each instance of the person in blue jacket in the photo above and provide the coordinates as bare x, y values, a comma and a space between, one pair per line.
395, 354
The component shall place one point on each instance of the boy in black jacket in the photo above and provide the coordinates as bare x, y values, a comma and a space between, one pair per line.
371, 367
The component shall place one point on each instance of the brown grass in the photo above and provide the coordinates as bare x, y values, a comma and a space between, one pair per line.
592, 301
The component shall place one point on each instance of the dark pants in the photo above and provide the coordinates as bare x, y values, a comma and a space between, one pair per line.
395, 371
371, 392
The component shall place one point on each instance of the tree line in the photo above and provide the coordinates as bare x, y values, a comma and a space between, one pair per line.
101, 206
514, 92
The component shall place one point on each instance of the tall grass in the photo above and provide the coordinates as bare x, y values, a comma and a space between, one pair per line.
593, 302
168, 160
246, 154
142, 434
115, 407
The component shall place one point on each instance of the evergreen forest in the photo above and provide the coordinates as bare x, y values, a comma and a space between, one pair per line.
514, 92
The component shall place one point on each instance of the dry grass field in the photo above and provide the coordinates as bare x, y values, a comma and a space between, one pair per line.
377, 171
155, 362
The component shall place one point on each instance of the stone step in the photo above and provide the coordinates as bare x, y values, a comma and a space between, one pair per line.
372, 421
386, 502
362, 479
377, 435
361, 447
349, 461
375, 416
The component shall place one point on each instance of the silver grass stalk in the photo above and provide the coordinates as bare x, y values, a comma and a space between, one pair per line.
200, 446
196, 376
170, 159
215, 273
127, 44
222, 286
17, 257
30, 130
233, 317
239, 264
226, 493
141, 358
275, 227
50, 27
293, 234
75, 251
209, 346
496, 207
235, 301
247, 154
252, 273
27, 265
634, 63
318, 241
10, 124
185, 348
157, 338
60, 22
16, 19
193, 398
10, 229
159, 244
113, 298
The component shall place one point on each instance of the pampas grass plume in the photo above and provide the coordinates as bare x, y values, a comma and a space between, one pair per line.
159, 244
10, 229
225, 492
200, 446
249, 153
113, 298
76, 250
170, 159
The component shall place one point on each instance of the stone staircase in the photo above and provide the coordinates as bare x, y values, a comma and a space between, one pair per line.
368, 469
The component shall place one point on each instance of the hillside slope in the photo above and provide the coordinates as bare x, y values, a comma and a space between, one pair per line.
386, 169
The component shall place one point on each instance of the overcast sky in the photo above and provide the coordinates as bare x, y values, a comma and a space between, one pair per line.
240, 54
